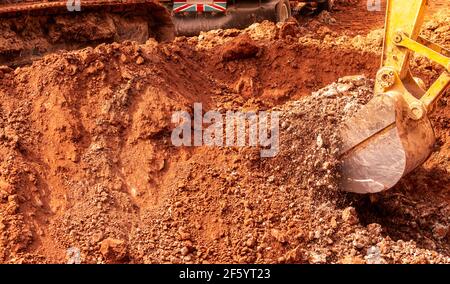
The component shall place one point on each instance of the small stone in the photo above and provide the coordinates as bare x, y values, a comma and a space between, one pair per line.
71, 69
38, 202
443, 29
3, 196
251, 242
184, 251
12, 207
349, 215
151, 42
329, 93
333, 223
343, 88
358, 244
6, 187
98, 236
88, 56
181, 184
123, 58
161, 164
373, 256
375, 229
440, 231
183, 236
139, 60
248, 222
13, 198
317, 258
279, 236
357, 80
99, 66
317, 234
134, 192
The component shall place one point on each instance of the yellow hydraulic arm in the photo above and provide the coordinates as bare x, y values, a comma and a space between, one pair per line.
392, 135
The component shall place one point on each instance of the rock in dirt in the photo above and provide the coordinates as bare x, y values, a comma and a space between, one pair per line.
113, 250
289, 28
352, 260
373, 256
241, 47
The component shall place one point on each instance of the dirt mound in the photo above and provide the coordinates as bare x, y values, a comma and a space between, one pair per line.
287, 209
65, 145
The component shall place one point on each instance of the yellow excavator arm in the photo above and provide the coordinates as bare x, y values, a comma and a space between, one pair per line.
392, 135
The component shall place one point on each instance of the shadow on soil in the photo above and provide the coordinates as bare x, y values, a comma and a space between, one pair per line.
413, 209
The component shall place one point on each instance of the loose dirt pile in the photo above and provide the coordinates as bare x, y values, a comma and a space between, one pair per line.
87, 163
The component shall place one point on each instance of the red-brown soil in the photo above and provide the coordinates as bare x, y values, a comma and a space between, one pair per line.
86, 160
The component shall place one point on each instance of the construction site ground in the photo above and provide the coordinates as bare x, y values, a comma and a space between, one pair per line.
87, 164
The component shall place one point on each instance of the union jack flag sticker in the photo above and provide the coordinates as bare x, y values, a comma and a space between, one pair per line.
214, 6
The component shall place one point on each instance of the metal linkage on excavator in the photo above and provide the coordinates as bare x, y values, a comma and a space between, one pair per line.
392, 135
36, 27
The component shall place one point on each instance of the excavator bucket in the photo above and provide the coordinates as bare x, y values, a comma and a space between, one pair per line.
381, 144
392, 135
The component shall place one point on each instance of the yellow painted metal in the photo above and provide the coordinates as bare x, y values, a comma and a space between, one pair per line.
406, 16
392, 135
423, 50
